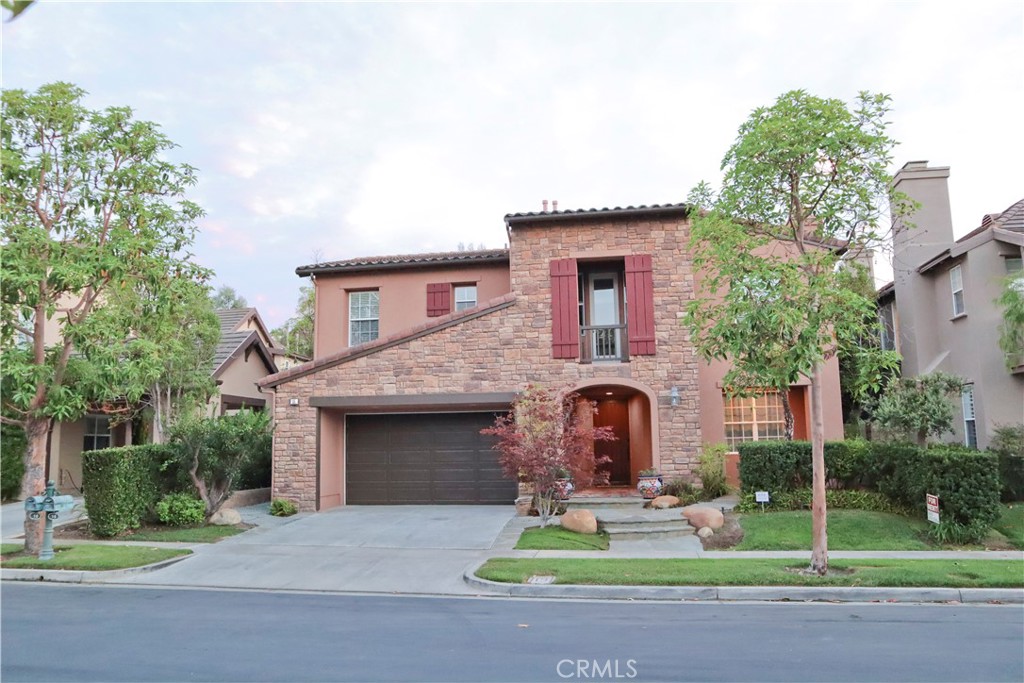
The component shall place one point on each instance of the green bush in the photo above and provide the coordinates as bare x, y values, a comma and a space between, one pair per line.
12, 463
712, 471
954, 533
279, 507
1008, 445
839, 499
181, 509
774, 465
683, 489
121, 486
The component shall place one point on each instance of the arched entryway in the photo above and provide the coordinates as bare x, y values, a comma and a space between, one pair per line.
627, 411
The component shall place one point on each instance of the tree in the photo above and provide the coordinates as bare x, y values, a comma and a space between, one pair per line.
1011, 329
227, 297
545, 436
213, 451
297, 332
919, 407
805, 184
89, 207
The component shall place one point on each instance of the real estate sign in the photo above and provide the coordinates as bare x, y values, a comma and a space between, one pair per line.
932, 502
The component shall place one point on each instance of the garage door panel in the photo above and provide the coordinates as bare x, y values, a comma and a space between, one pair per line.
430, 458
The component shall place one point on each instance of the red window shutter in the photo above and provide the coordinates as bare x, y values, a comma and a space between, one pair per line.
640, 305
565, 314
439, 299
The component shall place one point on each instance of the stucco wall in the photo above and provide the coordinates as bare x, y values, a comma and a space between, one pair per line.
240, 376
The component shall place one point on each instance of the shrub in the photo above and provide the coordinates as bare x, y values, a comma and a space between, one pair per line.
279, 507
180, 509
121, 485
954, 533
774, 465
712, 471
683, 489
1008, 445
12, 463
839, 499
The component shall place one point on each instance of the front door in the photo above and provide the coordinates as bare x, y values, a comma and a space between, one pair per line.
615, 414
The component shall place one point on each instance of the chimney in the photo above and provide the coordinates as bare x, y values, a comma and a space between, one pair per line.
932, 229
554, 205
544, 203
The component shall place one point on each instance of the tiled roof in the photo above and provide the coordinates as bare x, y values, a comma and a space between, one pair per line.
441, 258
604, 212
231, 342
1011, 219
230, 318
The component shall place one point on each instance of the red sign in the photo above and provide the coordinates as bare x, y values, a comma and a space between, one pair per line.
932, 503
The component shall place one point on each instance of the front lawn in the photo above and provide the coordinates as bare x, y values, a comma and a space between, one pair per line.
557, 538
847, 530
730, 572
91, 557
181, 534
1011, 524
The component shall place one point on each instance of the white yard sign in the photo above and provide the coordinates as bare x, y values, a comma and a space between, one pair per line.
933, 508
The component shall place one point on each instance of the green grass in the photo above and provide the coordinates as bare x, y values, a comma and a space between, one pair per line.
171, 534
94, 557
730, 572
1011, 524
557, 538
847, 530
10, 548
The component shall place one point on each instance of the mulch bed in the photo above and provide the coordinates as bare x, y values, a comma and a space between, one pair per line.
729, 535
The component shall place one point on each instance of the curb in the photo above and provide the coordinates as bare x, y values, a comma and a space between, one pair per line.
1014, 596
84, 576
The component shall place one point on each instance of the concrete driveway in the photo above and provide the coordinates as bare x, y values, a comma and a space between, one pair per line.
389, 549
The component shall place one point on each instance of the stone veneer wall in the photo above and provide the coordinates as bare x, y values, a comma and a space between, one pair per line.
505, 350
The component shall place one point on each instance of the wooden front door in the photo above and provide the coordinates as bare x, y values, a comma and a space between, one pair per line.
614, 414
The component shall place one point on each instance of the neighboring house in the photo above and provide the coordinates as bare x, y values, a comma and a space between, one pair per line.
414, 355
244, 355
940, 312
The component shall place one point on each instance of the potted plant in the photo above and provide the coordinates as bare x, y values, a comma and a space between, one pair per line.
649, 483
564, 487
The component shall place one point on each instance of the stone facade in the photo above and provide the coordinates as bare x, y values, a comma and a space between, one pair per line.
508, 347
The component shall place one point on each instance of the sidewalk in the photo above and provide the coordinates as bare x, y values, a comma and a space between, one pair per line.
12, 518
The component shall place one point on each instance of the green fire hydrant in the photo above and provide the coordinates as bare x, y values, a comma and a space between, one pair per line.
49, 504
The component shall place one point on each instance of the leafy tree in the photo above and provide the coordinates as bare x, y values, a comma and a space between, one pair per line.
15, 7
215, 450
297, 332
1011, 330
545, 436
90, 207
919, 407
227, 297
805, 184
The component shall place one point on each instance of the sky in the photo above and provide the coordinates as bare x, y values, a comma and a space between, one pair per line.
328, 130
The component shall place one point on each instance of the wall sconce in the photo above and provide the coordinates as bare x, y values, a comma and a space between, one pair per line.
674, 394
293, 401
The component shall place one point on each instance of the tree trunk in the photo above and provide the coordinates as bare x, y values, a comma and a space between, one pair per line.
922, 438
787, 412
33, 483
819, 532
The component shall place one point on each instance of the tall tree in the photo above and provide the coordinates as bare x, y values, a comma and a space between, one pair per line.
1011, 329
296, 334
89, 206
919, 407
804, 184
227, 297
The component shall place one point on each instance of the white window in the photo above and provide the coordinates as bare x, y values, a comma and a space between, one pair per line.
97, 432
363, 317
754, 418
970, 427
956, 281
465, 297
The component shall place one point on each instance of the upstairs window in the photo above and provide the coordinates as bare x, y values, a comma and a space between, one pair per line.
888, 330
956, 283
1013, 264
97, 433
970, 426
465, 297
363, 317
754, 418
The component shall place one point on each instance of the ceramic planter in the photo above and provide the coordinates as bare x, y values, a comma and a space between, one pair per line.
649, 486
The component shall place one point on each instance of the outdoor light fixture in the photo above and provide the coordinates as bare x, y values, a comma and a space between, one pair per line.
293, 401
675, 396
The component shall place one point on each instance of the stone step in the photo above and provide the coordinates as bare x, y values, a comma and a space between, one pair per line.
639, 531
640, 525
588, 502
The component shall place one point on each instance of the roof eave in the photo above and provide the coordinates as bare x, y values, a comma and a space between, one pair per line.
305, 271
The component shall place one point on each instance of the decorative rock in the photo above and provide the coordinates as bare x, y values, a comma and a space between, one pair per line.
580, 521
705, 532
701, 516
662, 502
523, 505
226, 517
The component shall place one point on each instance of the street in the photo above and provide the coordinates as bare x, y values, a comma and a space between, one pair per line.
93, 633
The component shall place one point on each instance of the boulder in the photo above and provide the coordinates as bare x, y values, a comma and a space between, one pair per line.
705, 532
580, 521
701, 516
662, 502
226, 517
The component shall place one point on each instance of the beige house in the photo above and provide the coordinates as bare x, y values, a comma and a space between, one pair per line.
244, 355
940, 312
415, 354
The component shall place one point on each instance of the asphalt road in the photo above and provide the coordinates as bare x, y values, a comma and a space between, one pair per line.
86, 633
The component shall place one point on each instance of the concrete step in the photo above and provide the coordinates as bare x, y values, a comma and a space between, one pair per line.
641, 531
590, 502
640, 525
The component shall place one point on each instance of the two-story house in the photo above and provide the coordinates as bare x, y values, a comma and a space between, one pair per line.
414, 355
940, 311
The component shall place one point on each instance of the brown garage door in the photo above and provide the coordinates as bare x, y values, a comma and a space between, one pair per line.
436, 458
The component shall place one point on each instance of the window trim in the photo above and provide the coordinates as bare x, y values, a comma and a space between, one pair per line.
957, 271
970, 423
352, 319
92, 433
755, 424
472, 302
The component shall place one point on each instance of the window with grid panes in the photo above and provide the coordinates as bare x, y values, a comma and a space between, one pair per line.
363, 317
754, 418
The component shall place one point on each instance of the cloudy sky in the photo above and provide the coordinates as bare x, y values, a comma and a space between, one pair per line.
337, 130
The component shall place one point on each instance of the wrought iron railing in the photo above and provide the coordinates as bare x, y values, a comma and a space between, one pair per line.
599, 343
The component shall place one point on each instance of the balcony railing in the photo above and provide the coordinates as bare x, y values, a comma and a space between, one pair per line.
600, 343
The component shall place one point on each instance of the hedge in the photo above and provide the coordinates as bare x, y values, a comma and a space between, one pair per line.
121, 485
839, 499
786, 465
12, 460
